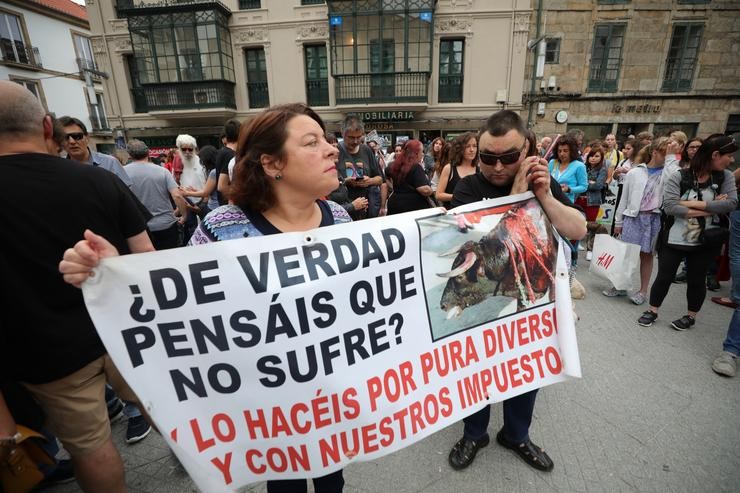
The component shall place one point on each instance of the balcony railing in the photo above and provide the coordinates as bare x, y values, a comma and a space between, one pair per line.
85, 64
123, 6
99, 122
259, 96
317, 92
382, 88
20, 53
450, 89
184, 96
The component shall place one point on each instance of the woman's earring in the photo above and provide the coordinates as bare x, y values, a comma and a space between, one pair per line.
278, 177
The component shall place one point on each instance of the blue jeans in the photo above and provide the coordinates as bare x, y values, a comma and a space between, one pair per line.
732, 341
129, 409
517, 418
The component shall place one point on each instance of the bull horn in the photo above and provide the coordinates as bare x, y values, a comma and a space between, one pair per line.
470, 259
450, 252
455, 311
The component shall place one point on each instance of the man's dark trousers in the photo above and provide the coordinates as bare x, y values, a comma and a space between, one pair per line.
517, 418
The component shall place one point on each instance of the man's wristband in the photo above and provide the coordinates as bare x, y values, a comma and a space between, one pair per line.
12, 441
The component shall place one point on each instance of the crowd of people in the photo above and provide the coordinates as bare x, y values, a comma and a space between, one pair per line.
283, 172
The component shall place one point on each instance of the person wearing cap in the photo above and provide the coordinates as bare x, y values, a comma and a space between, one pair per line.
154, 186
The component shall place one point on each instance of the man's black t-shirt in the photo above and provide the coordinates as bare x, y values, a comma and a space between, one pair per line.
223, 156
474, 188
45, 330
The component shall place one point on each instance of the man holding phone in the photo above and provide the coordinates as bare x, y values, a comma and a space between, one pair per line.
358, 165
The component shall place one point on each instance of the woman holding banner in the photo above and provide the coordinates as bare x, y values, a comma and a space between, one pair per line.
284, 166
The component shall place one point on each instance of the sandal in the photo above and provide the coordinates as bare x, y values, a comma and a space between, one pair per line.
724, 301
528, 451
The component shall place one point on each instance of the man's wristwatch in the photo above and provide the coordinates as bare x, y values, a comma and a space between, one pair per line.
8, 442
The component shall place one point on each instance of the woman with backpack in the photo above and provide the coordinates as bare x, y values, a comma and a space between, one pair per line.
693, 201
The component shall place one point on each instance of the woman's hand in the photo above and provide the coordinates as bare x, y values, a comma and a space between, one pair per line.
360, 203
79, 261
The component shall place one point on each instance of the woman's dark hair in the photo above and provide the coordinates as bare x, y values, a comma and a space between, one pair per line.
685, 152
444, 157
568, 140
532, 140
404, 161
265, 134
702, 161
594, 150
458, 148
207, 155
437, 155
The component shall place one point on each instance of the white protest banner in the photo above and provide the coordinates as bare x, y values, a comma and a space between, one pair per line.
290, 356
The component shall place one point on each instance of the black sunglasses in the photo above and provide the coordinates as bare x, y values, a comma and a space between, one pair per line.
512, 157
76, 135
187, 149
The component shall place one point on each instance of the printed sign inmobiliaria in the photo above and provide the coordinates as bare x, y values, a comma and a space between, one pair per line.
291, 356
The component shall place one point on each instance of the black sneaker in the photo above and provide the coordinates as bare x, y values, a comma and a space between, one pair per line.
647, 319
115, 410
713, 283
137, 429
683, 323
63, 473
463, 453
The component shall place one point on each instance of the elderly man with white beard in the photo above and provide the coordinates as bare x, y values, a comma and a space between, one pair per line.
192, 179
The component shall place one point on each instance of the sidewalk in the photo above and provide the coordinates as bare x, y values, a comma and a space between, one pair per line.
648, 415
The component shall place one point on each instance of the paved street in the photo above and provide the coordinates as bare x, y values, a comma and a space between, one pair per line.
648, 415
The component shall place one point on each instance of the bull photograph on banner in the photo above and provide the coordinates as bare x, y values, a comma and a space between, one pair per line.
504, 262
293, 355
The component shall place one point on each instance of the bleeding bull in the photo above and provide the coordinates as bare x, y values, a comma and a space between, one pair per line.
516, 258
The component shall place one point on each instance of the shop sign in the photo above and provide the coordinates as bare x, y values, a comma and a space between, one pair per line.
636, 108
386, 116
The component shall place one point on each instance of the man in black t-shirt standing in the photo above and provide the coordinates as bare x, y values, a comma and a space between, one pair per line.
47, 340
509, 165
357, 163
224, 155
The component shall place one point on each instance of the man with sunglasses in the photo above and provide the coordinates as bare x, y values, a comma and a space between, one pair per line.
509, 165
76, 143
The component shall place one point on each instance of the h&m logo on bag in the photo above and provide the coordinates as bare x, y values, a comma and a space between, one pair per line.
605, 260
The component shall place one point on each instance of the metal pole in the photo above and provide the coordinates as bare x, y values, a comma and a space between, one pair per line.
532, 88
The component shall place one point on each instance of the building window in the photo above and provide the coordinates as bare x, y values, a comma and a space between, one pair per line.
13, 46
381, 49
552, 50
85, 60
312, 2
682, 55
451, 55
688, 2
249, 4
665, 129
606, 57
317, 73
182, 47
612, 2
257, 78
32, 85
97, 114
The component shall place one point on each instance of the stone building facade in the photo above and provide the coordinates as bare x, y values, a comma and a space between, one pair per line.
413, 68
625, 66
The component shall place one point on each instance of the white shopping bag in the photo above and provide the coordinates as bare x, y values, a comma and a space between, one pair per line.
615, 260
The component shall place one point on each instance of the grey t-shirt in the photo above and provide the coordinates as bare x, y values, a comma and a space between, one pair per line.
152, 185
